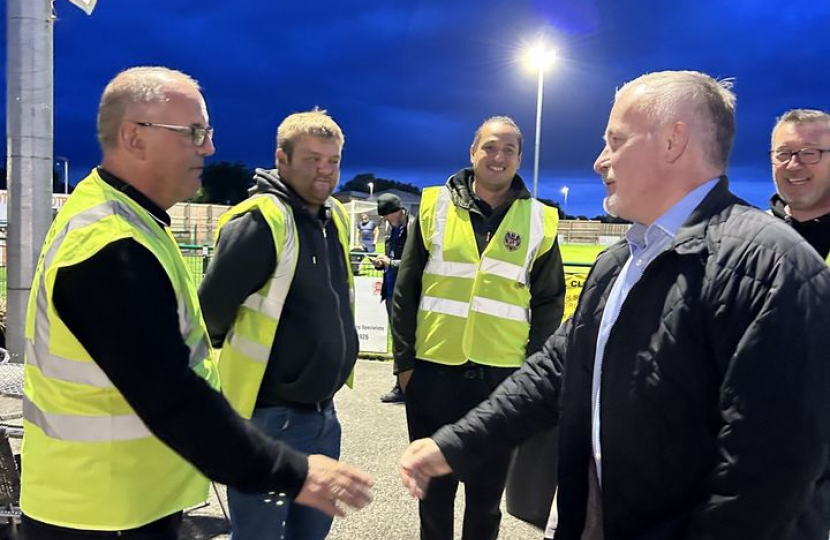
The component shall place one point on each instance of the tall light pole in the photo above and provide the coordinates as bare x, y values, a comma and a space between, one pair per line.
371, 188
65, 173
539, 57
564, 191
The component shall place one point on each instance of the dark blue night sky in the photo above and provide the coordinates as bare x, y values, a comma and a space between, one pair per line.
409, 81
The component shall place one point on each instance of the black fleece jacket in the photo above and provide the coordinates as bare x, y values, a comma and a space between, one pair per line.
815, 231
547, 280
120, 305
316, 345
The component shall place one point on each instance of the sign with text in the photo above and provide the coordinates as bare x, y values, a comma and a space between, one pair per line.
370, 314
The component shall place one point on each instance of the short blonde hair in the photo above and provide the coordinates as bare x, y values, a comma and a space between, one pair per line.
663, 95
316, 123
144, 84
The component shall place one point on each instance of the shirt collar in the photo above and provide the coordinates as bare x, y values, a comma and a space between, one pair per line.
639, 236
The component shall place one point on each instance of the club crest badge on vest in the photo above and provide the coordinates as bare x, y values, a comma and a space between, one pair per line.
512, 240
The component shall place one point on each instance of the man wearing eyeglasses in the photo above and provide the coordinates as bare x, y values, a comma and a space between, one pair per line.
277, 298
801, 169
121, 413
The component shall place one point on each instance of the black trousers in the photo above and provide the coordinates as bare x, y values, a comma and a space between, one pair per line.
439, 395
166, 528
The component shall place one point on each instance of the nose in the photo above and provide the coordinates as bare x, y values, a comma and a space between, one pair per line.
207, 149
601, 163
794, 162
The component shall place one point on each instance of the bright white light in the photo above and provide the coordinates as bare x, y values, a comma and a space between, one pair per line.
564, 191
539, 57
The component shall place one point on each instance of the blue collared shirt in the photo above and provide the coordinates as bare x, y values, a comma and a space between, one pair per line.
645, 243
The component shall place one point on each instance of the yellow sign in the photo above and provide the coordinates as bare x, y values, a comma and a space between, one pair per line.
573, 288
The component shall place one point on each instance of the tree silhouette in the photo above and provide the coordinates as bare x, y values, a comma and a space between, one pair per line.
360, 183
225, 183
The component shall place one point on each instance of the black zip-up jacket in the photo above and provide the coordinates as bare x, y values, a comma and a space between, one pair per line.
815, 231
715, 389
121, 307
547, 280
315, 347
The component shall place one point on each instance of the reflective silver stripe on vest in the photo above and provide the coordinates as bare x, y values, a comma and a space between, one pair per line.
198, 352
271, 305
79, 428
500, 309
249, 347
37, 350
64, 369
450, 269
507, 270
433, 304
344, 220
537, 235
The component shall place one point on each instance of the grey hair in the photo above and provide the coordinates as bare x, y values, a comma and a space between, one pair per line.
145, 84
665, 94
801, 116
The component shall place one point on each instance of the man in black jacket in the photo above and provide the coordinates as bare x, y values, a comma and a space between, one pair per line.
391, 210
276, 297
801, 171
684, 410
476, 293
120, 311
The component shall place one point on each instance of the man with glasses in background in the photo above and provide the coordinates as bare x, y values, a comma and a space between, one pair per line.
801, 171
121, 413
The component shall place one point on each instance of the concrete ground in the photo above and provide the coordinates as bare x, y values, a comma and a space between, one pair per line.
374, 437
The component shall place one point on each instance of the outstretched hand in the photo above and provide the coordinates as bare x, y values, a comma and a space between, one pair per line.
421, 462
331, 483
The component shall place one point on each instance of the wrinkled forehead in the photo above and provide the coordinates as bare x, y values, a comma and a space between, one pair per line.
802, 133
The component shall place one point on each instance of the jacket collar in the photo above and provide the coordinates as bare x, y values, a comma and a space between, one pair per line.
461, 189
691, 237
269, 181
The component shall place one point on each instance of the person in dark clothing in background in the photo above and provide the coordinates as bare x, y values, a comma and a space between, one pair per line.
392, 211
801, 171
480, 287
691, 398
277, 298
121, 416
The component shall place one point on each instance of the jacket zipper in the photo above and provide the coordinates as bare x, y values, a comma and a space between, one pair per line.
334, 293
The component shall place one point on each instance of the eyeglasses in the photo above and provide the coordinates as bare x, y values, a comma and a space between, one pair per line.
198, 134
807, 156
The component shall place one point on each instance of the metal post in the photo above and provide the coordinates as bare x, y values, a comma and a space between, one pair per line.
65, 176
539, 94
29, 103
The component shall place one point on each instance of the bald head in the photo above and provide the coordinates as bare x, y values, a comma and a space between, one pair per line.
133, 90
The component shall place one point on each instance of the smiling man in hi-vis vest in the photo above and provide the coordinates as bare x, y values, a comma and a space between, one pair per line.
479, 288
122, 417
278, 300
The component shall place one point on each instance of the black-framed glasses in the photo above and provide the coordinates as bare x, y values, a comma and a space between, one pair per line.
198, 134
807, 156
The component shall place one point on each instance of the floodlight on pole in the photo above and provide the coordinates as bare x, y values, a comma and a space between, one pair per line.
564, 191
371, 188
65, 173
540, 58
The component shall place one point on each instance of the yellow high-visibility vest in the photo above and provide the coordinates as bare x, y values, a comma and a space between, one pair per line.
477, 307
89, 462
248, 343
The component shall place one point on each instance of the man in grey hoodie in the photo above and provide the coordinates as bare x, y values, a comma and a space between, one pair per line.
276, 298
